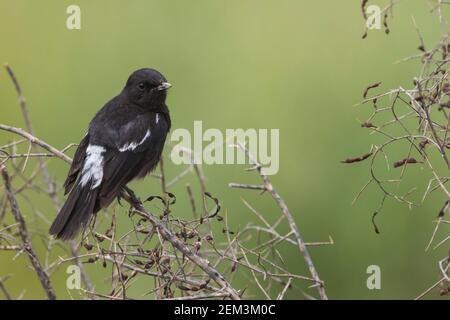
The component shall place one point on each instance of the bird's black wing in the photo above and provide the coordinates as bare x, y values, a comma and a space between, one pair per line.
77, 163
132, 145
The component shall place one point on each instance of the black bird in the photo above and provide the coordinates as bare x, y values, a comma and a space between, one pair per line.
125, 140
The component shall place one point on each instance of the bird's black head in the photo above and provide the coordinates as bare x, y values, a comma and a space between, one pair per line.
147, 88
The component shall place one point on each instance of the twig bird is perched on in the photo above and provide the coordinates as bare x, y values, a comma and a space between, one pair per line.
124, 141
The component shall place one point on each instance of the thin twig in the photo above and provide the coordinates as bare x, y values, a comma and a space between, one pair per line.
41, 273
280, 202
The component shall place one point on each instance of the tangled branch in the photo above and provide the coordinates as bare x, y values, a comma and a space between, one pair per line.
413, 124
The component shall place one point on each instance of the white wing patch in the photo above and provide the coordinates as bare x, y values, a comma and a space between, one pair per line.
133, 145
157, 118
93, 166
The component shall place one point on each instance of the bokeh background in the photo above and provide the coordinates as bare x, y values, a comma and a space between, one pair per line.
299, 66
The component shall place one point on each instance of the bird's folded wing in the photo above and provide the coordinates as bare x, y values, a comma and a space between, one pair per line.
77, 164
118, 169
132, 150
120, 128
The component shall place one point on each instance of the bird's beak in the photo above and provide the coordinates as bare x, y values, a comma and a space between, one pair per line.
163, 86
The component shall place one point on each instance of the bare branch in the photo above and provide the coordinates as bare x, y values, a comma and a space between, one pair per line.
42, 274
280, 202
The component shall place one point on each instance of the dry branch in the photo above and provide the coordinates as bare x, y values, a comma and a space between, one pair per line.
51, 186
267, 186
42, 274
418, 118
167, 235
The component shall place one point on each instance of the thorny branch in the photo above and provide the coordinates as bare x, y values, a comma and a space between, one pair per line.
267, 186
42, 274
416, 122
166, 234
51, 186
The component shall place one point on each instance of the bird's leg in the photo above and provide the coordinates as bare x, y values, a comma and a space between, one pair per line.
130, 192
132, 195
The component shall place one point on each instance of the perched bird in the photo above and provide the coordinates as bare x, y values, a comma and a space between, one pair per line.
125, 140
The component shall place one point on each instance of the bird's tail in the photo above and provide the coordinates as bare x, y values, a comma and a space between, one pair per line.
76, 212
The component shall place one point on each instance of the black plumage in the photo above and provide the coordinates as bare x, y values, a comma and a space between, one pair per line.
124, 141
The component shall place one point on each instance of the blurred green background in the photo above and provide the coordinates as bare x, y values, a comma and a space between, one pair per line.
299, 66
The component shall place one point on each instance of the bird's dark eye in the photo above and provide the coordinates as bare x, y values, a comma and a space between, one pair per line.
141, 86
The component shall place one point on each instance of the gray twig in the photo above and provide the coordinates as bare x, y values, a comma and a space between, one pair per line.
42, 274
280, 202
